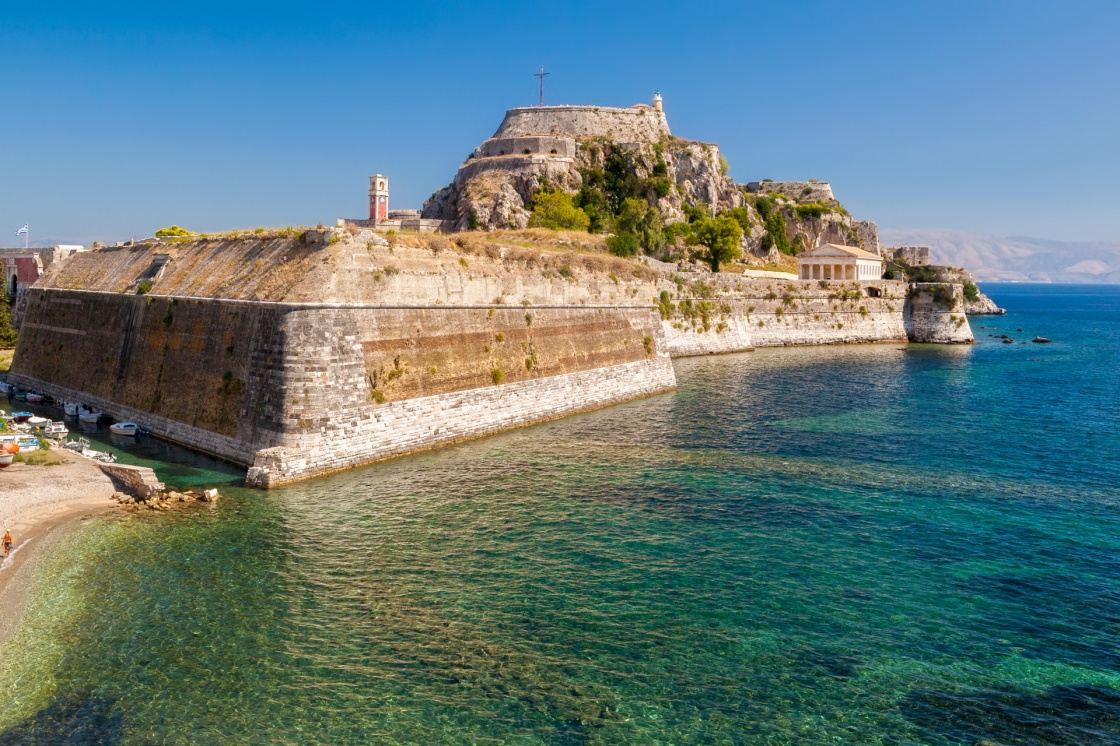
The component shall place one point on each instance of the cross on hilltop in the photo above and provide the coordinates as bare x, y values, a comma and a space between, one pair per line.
541, 75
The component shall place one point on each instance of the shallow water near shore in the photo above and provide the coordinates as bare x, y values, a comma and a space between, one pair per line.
876, 544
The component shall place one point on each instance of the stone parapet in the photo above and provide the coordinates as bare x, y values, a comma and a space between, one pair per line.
633, 124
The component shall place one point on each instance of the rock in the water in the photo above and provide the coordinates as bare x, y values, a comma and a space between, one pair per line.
1042, 341
1008, 340
210, 496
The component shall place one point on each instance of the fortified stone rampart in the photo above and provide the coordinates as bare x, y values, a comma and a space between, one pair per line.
301, 355
535, 145
803, 191
634, 124
937, 314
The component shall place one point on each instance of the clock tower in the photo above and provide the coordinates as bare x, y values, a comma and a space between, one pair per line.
378, 198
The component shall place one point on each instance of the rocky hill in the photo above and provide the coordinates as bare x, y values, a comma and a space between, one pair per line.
603, 156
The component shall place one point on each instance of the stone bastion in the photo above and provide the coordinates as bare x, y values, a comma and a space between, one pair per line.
639, 123
300, 355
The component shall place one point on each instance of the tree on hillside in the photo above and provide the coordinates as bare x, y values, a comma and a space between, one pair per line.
7, 331
721, 237
638, 218
555, 211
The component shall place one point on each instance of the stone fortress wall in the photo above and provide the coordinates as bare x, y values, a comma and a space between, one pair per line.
914, 256
564, 147
805, 191
298, 356
639, 123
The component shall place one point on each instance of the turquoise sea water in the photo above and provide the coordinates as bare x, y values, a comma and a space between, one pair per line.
879, 544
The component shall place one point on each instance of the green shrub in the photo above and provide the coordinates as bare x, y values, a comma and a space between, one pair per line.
144, 287
472, 221
665, 304
764, 205
742, 216
556, 211
173, 231
971, 292
8, 334
812, 210
775, 225
624, 244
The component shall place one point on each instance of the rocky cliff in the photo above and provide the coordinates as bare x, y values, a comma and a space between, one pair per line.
564, 146
603, 155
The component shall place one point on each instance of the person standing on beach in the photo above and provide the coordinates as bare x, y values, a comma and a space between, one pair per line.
7, 543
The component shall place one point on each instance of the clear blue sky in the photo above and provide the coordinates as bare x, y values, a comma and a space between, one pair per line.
118, 118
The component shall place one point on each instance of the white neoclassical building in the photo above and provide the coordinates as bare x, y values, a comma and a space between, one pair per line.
835, 262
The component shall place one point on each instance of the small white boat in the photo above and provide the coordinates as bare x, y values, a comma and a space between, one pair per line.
6, 459
125, 428
56, 430
5, 388
36, 421
71, 408
17, 394
34, 398
89, 416
79, 444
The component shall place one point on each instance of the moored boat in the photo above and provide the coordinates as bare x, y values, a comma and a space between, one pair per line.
28, 443
5, 388
71, 408
19, 394
34, 397
125, 428
89, 416
6, 459
37, 421
22, 416
56, 430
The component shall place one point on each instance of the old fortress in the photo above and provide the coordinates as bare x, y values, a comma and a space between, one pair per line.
297, 353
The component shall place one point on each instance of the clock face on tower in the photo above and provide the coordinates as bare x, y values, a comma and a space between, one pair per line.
381, 200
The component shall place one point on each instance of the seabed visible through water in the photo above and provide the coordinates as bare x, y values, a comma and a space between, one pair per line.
877, 544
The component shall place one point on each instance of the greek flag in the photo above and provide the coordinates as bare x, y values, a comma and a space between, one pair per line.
21, 231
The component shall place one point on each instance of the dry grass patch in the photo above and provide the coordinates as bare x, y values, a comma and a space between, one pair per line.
40, 458
6, 356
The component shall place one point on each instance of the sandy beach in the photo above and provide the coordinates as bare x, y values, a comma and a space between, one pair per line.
34, 502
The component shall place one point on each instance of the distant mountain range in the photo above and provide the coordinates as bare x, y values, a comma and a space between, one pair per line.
995, 259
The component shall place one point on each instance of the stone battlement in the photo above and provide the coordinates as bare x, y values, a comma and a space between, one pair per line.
639, 123
564, 147
802, 191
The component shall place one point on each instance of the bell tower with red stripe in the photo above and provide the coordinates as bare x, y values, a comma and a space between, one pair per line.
378, 198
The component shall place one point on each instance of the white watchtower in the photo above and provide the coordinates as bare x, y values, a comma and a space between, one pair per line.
657, 100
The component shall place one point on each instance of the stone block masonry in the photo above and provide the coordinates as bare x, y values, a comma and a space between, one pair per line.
297, 356
411, 425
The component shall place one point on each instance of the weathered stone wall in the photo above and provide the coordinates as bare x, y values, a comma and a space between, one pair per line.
914, 256
936, 314
427, 422
534, 145
732, 314
315, 354
634, 124
189, 361
728, 314
803, 191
